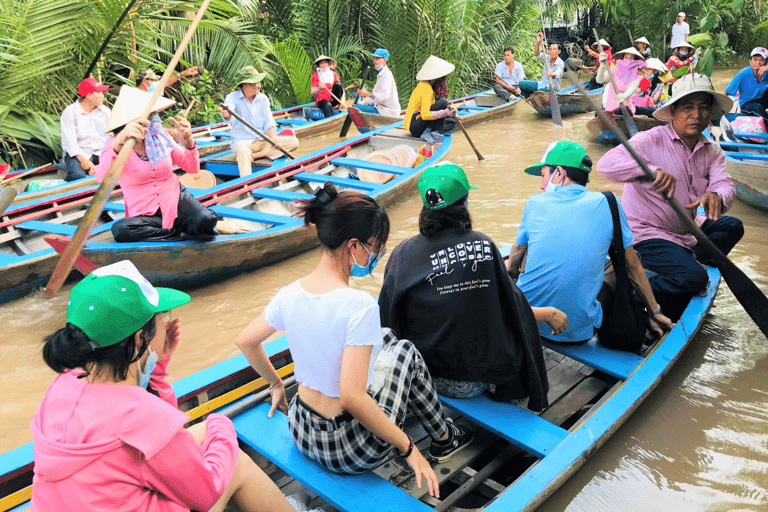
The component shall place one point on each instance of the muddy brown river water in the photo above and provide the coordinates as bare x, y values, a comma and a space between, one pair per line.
698, 443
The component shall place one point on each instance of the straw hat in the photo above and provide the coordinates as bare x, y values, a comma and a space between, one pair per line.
249, 75
643, 40
633, 51
202, 179
656, 64
603, 43
691, 84
681, 45
325, 57
434, 68
130, 104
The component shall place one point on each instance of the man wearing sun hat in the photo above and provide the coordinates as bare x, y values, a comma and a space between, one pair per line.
566, 233
751, 84
690, 168
383, 99
82, 129
251, 104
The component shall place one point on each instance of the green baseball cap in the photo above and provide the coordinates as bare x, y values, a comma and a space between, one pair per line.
442, 185
565, 153
115, 301
249, 75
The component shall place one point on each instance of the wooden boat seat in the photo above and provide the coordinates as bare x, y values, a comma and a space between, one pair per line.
367, 492
519, 426
616, 363
490, 99
280, 195
365, 164
255, 216
367, 186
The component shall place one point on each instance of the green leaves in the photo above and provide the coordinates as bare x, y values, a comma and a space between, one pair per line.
709, 21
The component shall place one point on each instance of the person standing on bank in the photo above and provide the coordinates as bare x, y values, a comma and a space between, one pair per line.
508, 75
680, 31
342, 417
553, 69
429, 115
325, 81
690, 168
383, 99
83, 125
251, 104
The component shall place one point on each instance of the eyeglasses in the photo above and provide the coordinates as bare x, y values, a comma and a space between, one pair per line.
165, 316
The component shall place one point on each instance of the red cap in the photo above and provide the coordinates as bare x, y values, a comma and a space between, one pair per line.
90, 85
645, 84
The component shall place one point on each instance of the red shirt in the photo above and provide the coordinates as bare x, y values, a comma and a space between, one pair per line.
323, 94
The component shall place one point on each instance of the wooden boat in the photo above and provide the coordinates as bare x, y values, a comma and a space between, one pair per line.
604, 136
473, 109
516, 461
570, 100
257, 211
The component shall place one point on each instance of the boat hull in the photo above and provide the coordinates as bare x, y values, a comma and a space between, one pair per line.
751, 181
570, 100
606, 137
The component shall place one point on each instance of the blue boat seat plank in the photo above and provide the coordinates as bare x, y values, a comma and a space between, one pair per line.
48, 227
255, 216
292, 121
280, 195
342, 182
747, 156
115, 207
520, 426
365, 164
360, 493
617, 363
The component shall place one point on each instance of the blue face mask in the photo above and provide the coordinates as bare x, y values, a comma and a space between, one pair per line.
552, 187
683, 54
373, 260
149, 367
379, 68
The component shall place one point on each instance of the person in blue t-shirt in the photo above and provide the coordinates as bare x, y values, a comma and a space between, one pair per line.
566, 233
751, 84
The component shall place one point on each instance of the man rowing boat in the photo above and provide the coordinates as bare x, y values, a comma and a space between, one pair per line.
383, 99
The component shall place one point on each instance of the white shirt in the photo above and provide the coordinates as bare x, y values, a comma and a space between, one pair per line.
679, 31
83, 133
384, 95
513, 78
319, 327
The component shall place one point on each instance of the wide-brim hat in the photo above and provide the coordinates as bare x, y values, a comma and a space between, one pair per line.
325, 57
249, 75
632, 50
565, 153
682, 44
130, 104
692, 84
656, 64
603, 43
643, 40
434, 68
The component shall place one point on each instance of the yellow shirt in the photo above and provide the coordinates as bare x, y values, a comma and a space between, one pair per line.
422, 98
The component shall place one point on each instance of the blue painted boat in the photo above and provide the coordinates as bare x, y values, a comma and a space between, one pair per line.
258, 225
603, 135
570, 100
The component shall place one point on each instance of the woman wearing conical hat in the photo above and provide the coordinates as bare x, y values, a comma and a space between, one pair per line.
644, 47
429, 115
626, 72
325, 84
157, 206
682, 56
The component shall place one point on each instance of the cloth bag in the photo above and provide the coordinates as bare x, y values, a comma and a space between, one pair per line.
625, 319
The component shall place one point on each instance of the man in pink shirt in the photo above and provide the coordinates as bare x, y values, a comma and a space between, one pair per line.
690, 168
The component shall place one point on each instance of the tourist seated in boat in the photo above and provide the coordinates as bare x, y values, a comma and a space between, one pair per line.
659, 75
446, 290
751, 84
429, 115
83, 125
251, 104
157, 207
508, 75
683, 55
626, 74
347, 416
642, 100
108, 434
643, 46
383, 99
552, 72
561, 248
690, 168
594, 51
326, 86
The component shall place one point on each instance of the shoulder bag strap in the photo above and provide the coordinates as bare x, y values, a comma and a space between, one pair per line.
617, 245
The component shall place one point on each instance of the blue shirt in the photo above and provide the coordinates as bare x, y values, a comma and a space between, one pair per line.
513, 78
747, 85
557, 69
257, 112
568, 232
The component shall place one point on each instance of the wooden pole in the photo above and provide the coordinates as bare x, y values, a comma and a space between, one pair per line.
19, 176
461, 125
256, 131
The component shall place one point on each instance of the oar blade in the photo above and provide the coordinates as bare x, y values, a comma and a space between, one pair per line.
751, 298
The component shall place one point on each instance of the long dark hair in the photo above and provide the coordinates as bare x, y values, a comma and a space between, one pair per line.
70, 348
440, 88
454, 216
342, 216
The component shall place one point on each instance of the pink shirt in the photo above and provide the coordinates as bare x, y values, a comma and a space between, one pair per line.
146, 188
696, 173
119, 448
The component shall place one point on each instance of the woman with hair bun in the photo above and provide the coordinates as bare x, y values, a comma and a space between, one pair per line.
108, 434
341, 417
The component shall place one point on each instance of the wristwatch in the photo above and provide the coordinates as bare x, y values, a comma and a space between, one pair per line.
656, 311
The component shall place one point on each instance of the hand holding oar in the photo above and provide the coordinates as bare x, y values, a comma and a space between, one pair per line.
256, 131
628, 121
461, 125
554, 104
342, 106
67, 259
754, 301
348, 120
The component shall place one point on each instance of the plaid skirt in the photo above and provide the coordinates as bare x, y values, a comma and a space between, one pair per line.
342, 444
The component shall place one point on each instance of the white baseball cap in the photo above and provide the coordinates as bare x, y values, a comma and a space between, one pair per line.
681, 13
762, 52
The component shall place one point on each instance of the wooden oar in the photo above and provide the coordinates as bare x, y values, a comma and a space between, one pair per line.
628, 121
25, 173
348, 121
461, 125
6, 198
64, 266
189, 107
256, 131
329, 91
554, 104
754, 301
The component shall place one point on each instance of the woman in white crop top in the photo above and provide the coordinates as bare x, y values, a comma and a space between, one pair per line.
334, 335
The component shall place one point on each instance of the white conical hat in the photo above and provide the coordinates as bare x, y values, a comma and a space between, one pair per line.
691, 84
602, 43
130, 104
434, 68
632, 50
656, 64
643, 40
682, 44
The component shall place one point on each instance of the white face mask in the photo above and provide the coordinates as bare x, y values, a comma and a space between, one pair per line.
149, 367
552, 187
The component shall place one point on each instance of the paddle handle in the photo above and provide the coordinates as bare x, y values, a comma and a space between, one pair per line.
461, 125
256, 131
327, 89
189, 107
19, 176
362, 82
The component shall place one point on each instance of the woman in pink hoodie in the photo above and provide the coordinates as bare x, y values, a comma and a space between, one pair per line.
108, 435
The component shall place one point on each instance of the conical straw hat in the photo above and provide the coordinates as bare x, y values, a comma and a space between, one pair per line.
603, 43
325, 57
643, 40
656, 64
434, 68
633, 51
130, 104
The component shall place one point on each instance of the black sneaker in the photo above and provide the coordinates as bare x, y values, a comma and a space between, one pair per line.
460, 437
